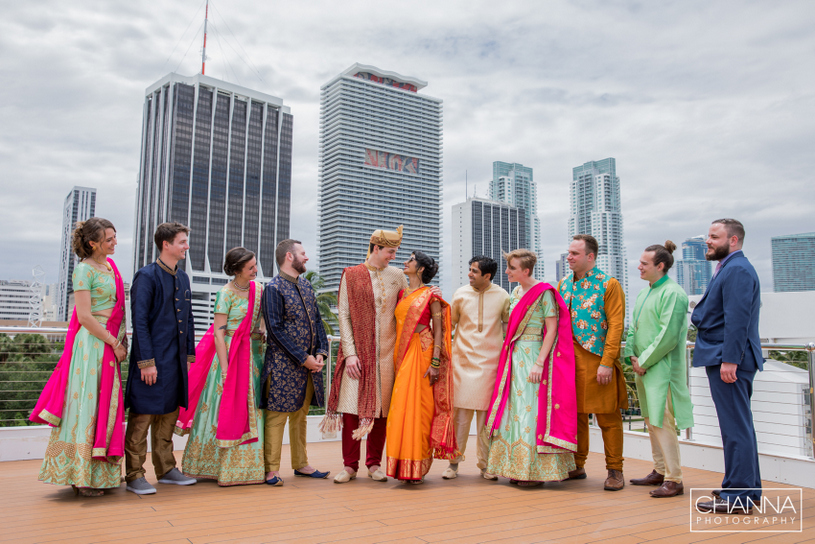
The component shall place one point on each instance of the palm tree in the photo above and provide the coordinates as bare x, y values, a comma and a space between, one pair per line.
325, 300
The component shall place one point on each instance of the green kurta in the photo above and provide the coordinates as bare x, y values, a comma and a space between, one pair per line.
657, 337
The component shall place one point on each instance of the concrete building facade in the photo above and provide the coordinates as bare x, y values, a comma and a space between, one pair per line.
380, 167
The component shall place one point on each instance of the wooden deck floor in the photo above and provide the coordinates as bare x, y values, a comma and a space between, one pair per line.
467, 509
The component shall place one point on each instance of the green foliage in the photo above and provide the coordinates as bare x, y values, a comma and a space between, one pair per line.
793, 358
325, 300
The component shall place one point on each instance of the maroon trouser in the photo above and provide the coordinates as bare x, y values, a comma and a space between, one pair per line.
373, 448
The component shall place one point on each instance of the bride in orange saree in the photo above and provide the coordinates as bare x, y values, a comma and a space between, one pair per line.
420, 425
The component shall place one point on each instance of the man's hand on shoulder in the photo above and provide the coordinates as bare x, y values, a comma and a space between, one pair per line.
435, 291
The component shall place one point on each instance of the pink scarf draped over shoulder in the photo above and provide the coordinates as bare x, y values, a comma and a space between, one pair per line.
557, 398
108, 443
234, 425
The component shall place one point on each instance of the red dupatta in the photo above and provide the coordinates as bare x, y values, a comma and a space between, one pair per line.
235, 426
108, 443
556, 430
442, 433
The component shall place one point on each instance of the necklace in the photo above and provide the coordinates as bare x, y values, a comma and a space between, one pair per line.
106, 264
238, 287
409, 290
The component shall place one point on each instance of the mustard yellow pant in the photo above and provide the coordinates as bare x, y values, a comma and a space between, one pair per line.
275, 425
611, 428
161, 443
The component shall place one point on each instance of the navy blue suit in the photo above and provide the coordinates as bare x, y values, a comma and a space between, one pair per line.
726, 319
164, 334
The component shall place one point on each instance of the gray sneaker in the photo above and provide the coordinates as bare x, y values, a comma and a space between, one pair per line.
176, 478
141, 487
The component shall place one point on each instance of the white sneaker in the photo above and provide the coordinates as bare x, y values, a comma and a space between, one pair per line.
487, 476
344, 477
140, 487
378, 475
176, 478
450, 473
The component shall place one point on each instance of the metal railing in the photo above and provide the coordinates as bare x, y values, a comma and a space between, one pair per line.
28, 356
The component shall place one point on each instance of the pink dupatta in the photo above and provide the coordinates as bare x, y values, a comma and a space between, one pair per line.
108, 444
234, 424
557, 398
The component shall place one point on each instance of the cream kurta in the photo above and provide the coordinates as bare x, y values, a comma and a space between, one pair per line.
479, 319
386, 284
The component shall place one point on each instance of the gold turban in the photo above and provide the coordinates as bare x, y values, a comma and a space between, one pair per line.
387, 238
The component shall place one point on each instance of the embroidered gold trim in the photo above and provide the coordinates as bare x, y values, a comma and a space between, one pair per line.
147, 363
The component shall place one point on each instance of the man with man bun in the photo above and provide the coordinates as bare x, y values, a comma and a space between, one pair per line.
655, 348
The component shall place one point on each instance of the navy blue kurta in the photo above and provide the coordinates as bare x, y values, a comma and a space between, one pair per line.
164, 334
294, 330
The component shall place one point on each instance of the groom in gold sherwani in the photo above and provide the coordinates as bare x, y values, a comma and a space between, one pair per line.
480, 312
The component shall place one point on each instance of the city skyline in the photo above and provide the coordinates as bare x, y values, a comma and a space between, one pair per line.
705, 119
794, 262
79, 205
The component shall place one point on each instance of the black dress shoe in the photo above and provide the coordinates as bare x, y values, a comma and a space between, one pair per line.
720, 506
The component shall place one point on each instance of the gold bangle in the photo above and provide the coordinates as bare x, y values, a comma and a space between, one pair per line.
436, 314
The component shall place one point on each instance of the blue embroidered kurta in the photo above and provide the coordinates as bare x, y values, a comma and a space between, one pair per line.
164, 336
294, 330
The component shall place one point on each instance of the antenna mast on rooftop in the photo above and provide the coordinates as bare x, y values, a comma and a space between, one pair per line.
204, 51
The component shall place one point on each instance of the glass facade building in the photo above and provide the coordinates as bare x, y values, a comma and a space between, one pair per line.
380, 167
514, 184
216, 157
596, 210
793, 262
486, 227
80, 204
693, 271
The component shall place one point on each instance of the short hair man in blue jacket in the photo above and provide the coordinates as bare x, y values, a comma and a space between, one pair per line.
729, 347
163, 345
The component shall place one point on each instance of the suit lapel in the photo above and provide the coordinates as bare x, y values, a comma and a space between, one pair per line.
736, 255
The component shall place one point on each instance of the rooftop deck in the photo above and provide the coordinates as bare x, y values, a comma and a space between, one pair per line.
467, 509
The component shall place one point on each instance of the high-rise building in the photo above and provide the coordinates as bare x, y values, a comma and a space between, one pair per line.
485, 227
216, 157
380, 166
596, 210
693, 271
19, 299
80, 204
514, 184
793, 262
562, 266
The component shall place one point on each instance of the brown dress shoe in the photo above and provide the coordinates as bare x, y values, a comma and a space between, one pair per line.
615, 481
668, 489
577, 474
655, 478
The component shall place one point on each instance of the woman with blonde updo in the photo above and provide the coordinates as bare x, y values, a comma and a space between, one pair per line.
82, 400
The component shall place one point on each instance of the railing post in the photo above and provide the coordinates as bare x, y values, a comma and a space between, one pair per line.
811, 360
688, 356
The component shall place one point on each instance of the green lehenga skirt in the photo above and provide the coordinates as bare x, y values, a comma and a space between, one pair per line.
68, 459
203, 458
513, 448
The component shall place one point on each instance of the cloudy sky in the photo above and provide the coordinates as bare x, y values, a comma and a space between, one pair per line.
708, 107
